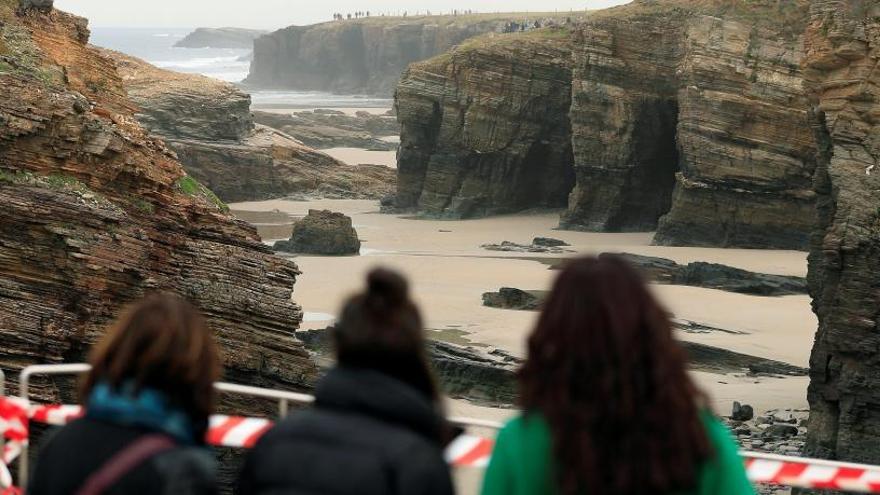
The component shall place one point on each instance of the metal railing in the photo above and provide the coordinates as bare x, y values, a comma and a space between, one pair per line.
283, 397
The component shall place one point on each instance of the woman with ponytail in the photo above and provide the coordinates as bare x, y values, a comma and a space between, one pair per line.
377, 425
608, 405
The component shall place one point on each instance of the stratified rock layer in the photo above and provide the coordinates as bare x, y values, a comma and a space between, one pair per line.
746, 150
96, 213
363, 56
843, 52
486, 131
209, 124
656, 110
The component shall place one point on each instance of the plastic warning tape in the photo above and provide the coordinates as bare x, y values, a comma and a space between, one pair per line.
811, 473
465, 451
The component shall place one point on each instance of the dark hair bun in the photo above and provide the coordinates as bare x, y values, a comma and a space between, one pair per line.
386, 289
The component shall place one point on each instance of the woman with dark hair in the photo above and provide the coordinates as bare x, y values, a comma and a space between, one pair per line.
608, 405
148, 397
376, 426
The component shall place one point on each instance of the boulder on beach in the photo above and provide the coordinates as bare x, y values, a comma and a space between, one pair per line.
549, 242
511, 298
322, 232
742, 412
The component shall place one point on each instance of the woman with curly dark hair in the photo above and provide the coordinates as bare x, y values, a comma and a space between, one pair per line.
608, 405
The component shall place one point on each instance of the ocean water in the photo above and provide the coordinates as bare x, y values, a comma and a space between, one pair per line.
156, 46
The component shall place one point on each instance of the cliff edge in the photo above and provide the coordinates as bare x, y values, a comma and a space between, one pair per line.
688, 118
367, 55
208, 123
96, 213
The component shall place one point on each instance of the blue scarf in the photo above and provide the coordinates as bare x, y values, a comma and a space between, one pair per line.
148, 408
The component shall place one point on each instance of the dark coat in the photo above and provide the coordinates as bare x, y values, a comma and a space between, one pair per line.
368, 434
82, 447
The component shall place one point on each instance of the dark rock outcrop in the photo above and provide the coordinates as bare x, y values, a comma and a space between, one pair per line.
716, 276
44, 5
362, 56
96, 213
689, 111
485, 128
322, 130
510, 298
549, 242
535, 247
322, 232
209, 125
220, 38
464, 372
843, 49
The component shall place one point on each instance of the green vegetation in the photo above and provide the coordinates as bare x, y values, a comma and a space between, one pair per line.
143, 205
191, 187
18, 53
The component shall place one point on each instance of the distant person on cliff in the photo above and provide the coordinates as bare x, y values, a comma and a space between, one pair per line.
148, 398
609, 407
377, 425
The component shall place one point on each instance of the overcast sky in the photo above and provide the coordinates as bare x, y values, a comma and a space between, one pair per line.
271, 14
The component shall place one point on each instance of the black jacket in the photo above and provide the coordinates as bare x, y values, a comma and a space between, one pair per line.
368, 434
82, 447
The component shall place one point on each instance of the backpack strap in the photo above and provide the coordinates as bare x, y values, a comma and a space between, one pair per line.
124, 462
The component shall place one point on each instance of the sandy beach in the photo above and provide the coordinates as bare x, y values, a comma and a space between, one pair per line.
358, 156
449, 272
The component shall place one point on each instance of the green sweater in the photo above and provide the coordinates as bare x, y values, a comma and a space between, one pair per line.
522, 461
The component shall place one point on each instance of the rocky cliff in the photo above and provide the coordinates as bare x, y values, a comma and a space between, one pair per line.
642, 111
842, 56
208, 124
484, 129
96, 213
364, 56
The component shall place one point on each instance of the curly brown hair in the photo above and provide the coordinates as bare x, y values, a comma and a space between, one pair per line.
606, 373
163, 343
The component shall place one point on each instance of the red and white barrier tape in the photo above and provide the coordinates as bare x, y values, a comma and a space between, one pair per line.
464, 451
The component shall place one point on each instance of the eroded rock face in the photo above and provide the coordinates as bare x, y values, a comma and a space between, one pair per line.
209, 125
363, 56
843, 49
322, 232
656, 110
95, 215
485, 130
746, 150
623, 122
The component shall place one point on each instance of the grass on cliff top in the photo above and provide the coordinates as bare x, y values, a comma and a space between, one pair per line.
19, 55
788, 18
503, 40
191, 187
464, 19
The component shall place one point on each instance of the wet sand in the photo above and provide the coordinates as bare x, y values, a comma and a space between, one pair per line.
449, 272
359, 156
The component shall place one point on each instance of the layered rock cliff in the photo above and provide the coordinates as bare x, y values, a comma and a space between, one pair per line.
654, 109
96, 213
209, 125
364, 56
842, 57
484, 129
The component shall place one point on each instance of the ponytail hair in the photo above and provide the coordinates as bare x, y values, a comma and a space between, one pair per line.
381, 329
